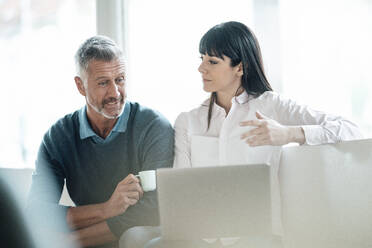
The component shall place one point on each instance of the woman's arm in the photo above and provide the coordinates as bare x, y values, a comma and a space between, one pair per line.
267, 131
289, 119
182, 154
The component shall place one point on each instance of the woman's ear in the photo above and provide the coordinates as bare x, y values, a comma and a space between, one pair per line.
80, 85
240, 71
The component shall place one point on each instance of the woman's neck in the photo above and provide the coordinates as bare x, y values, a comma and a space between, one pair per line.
224, 99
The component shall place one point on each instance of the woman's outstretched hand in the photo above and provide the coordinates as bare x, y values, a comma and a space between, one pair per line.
269, 132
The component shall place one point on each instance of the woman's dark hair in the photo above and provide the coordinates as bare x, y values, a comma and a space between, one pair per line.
236, 41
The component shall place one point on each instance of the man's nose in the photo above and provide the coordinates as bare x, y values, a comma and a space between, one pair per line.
113, 90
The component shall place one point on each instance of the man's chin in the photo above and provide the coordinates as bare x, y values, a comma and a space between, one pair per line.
112, 114
112, 111
111, 117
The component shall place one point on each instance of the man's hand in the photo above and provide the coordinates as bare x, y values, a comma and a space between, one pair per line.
127, 193
90, 220
270, 132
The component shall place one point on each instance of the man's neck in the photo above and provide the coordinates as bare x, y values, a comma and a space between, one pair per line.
101, 126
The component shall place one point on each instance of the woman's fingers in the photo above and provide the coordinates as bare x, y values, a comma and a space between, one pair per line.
255, 131
259, 140
255, 123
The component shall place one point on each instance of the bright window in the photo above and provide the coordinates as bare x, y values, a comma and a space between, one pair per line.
163, 49
38, 39
315, 52
326, 56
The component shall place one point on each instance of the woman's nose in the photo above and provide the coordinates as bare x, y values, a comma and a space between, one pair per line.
201, 68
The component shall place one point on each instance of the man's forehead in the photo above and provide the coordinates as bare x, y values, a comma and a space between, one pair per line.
100, 66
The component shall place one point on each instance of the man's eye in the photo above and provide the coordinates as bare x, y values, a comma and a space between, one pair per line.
212, 62
120, 80
103, 83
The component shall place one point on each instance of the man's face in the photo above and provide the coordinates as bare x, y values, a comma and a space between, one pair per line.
103, 86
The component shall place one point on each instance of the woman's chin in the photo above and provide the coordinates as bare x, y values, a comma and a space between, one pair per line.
208, 89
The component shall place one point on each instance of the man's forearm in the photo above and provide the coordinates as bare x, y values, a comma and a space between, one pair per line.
95, 234
84, 216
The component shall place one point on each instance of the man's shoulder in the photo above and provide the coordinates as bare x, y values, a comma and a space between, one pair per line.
65, 127
148, 122
144, 114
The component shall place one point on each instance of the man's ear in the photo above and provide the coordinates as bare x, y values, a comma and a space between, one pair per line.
80, 85
240, 71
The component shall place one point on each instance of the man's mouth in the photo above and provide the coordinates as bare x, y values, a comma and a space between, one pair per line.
112, 101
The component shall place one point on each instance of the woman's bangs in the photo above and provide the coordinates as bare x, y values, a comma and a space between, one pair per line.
209, 44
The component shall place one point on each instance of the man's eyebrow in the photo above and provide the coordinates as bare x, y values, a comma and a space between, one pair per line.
122, 74
100, 78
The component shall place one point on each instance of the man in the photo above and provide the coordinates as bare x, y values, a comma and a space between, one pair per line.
97, 149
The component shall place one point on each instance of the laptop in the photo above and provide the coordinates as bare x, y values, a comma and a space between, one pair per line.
214, 202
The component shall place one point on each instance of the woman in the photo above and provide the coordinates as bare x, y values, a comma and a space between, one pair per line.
241, 96
244, 121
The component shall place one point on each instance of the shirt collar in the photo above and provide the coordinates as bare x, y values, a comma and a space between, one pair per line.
242, 98
120, 126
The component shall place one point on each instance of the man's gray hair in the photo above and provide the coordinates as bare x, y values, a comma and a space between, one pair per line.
98, 47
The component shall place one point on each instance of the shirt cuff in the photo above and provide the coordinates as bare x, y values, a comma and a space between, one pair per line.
314, 135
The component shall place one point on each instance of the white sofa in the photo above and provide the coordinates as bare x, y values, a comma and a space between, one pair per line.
19, 182
326, 195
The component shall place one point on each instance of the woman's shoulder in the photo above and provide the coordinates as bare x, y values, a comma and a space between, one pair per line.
193, 114
268, 95
271, 97
197, 111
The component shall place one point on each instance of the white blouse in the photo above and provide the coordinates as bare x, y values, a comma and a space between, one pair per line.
191, 127
196, 145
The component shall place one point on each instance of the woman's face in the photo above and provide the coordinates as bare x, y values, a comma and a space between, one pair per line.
218, 75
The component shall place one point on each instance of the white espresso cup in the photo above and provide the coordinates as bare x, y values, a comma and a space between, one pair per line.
148, 180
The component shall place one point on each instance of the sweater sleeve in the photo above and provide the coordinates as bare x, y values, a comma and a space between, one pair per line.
46, 188
155, 150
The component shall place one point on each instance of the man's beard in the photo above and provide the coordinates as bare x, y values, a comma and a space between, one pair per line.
101, 111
